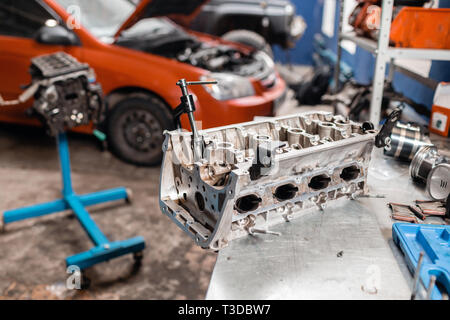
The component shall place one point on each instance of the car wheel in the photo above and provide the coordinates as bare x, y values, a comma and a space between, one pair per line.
135, 129
249, 38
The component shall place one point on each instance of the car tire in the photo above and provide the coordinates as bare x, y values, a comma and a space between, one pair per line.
249, 38
135, 128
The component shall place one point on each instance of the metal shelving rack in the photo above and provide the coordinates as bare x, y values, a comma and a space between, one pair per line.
384, 54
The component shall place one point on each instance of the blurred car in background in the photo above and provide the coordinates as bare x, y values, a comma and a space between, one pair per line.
256, 23
138, 55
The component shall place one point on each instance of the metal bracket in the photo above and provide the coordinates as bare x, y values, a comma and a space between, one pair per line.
383, 137
187, 106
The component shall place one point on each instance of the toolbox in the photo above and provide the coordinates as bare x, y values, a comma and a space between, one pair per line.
434, 242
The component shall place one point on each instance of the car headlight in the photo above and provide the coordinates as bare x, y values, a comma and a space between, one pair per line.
228, 86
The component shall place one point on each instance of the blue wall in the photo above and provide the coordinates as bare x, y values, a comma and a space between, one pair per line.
311, 11
362, 61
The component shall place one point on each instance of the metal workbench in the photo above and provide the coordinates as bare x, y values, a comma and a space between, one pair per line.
344, 252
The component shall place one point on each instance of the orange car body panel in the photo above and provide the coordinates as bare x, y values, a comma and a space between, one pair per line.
118, 67
140, 8
421, 28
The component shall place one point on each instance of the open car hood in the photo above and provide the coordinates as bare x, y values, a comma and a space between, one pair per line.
181, 11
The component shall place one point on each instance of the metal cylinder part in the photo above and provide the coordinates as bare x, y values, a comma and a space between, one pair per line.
438, 182
424, 161
257, 139
325, 129
344, 125
223, 153
405, 141
294, 136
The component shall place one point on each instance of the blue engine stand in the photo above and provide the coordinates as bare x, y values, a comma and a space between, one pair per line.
104, 250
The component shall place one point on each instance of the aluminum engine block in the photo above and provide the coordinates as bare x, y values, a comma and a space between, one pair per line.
256, 174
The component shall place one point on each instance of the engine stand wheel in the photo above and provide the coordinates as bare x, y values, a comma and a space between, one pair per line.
85, 282
2, 224
138, 256
129, 198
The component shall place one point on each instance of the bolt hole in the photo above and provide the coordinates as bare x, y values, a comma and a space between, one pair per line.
200, 201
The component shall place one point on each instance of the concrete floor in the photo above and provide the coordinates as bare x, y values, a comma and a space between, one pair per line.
32, 252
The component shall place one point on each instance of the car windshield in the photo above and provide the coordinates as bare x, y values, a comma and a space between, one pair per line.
102, 18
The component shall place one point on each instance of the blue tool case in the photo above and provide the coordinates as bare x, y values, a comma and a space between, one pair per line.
434, 242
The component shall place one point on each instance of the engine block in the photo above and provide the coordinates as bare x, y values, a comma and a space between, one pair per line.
256, 174
65, 91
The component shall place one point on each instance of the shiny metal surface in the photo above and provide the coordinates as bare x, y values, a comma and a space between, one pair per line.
257, 174
344, 252
438, 182
406, 140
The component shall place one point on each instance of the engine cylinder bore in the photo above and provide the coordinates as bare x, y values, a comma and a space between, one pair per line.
285, 192
350, 173
247, 203
319, 182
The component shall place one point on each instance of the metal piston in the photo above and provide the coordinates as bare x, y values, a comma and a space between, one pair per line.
438, 182
405, 141
424, 161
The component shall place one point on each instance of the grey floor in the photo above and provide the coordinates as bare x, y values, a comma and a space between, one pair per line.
32, 252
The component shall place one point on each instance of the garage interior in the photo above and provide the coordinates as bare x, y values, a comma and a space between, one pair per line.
335, 65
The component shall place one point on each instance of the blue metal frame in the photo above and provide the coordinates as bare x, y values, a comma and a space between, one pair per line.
104, 249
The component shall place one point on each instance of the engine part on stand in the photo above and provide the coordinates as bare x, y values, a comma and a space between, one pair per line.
406, 140
66, 96
250, 176
66, 93
63, 81
424, 161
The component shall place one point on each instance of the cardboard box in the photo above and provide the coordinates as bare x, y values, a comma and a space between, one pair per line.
440, 111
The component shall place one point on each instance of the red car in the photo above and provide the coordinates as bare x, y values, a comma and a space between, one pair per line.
138, 55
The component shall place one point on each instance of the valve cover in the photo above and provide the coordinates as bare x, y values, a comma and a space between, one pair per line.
256, 174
